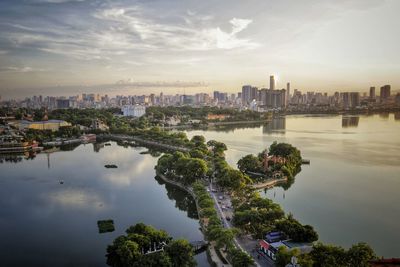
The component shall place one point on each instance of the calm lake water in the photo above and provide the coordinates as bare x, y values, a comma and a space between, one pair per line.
45, 223
351, 191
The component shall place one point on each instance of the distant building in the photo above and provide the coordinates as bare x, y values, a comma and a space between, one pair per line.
372, 92
246, 94
354, 99
133, 110
99, 125
63, 103
385, 93
272, 82
53, 125
273, 99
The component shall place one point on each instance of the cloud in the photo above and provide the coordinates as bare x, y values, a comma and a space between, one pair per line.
111, 33
20, 69
130, 25
76, 198
239, 25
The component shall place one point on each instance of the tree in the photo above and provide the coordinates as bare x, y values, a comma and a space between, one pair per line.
250, 163
296, 231
130, 250
165, 163
360, 254
232, 179
240, 258
328, 256
284, 256
217, 147
196, 168
181, 253
198, 139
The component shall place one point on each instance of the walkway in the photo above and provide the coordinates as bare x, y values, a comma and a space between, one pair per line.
120, 137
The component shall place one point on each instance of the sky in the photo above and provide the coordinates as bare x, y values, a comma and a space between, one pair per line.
65, 47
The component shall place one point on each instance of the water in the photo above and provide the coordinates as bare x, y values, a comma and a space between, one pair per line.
45, 223
351, 191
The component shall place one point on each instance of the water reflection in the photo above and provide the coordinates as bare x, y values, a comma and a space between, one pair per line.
397, 116
276, 125
183, 200
350, 121
384, 115
17, 157
232, 127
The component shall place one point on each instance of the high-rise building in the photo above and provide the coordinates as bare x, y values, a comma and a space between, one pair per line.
372, 92
354, 99
273, 98
246, 94
345, 99
253, 93
216, 95
287, 93
63, 103
272, 82
385, 93
152, 99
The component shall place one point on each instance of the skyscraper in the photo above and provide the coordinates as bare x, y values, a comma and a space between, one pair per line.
248, 94
354, 99
385, 93
272, 82
287, 93
372, 92
253, 93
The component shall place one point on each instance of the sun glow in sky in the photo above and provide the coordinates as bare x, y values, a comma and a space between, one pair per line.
62, 47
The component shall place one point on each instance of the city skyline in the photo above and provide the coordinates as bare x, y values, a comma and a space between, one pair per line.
65, 47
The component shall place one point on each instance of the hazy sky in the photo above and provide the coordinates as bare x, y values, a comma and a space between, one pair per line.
61, 47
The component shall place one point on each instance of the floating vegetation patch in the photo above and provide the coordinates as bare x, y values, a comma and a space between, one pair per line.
105, 226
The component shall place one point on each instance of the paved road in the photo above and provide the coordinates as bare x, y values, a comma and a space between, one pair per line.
245, 244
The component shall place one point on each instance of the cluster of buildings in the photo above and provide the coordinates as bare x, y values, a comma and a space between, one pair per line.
250, 97
272, 241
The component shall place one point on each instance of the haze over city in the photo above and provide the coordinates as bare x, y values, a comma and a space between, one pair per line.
65, 47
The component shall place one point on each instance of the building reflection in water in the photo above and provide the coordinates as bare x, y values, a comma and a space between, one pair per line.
397, 116
277, 124
384, 115
350, 121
